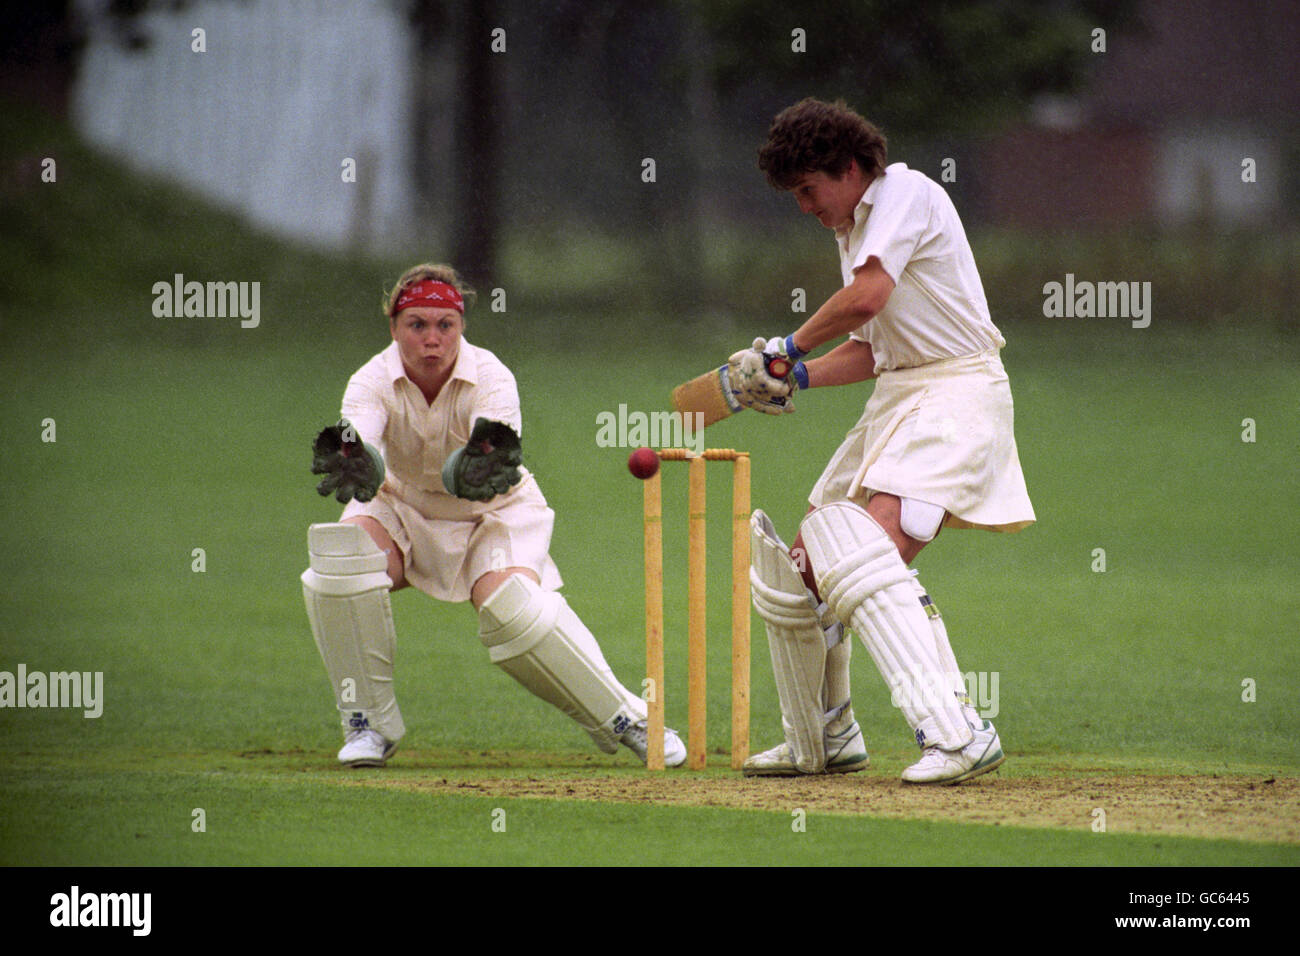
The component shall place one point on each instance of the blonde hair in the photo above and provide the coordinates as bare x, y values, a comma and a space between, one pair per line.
439, 272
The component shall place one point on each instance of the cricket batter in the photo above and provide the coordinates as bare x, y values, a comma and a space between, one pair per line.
934, 447
427, 458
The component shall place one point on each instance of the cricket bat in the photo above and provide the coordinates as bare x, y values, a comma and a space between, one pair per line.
710, 394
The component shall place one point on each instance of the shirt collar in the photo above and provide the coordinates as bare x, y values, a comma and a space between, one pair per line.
393, 363
862, 209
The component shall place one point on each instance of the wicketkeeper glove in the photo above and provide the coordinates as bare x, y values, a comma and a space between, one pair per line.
352, 469
487, 466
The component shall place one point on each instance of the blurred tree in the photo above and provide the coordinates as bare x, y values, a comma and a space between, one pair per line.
39, 44
948, 65
475, 149
597, 88
478, 136
431, 133
636, 85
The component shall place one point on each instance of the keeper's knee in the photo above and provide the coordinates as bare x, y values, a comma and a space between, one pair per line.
344, 561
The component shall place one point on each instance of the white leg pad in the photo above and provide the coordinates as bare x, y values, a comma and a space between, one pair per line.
864, 581
534, 636
346, 592
943, 654
796, 641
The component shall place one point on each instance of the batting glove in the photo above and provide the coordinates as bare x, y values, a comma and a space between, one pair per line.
780, 355
752, 384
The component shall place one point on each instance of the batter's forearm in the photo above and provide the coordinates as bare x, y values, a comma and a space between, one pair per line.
849, 308
848, 362
839, 315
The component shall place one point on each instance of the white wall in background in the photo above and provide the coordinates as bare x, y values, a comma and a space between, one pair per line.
262, 121
1199, 174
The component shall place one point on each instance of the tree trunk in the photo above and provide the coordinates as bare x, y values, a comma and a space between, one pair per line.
433, 104
477, 151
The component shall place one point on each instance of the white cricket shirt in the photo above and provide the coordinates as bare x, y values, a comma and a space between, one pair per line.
937, 309
415, 437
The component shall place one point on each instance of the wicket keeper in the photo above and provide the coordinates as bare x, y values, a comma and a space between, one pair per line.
934, 447
427, 458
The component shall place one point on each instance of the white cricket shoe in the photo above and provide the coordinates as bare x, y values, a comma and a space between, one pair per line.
846, 752
637, 740
366, 748
945, 767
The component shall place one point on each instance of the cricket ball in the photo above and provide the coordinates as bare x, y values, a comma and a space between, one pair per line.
643, 463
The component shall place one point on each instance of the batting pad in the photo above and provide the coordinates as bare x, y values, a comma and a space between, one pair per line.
535, 637
346, 592
866, 584
796, 641
944, 655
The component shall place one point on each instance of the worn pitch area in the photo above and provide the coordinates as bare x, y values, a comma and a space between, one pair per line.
1260, 807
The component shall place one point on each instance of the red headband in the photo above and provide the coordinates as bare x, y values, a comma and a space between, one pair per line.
429, 293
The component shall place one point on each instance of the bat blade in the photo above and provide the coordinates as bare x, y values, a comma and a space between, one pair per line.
708, 395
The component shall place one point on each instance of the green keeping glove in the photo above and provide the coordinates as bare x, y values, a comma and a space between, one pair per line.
487, 466
352, 469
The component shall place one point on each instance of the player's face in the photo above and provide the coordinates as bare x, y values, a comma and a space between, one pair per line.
428, 339
831, 199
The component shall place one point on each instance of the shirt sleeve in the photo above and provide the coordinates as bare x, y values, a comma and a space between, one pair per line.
497, 398
896, 225
363, 406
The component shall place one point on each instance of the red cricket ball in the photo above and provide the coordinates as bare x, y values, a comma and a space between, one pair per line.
643, 463
779, 367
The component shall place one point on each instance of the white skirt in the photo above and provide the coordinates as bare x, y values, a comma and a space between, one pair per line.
443, 555
941, 433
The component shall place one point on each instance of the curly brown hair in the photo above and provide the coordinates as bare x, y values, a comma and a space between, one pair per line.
816, 136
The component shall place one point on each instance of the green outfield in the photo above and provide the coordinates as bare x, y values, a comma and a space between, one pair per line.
1174, 667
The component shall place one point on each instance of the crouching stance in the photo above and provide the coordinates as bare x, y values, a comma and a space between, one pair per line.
458, 518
